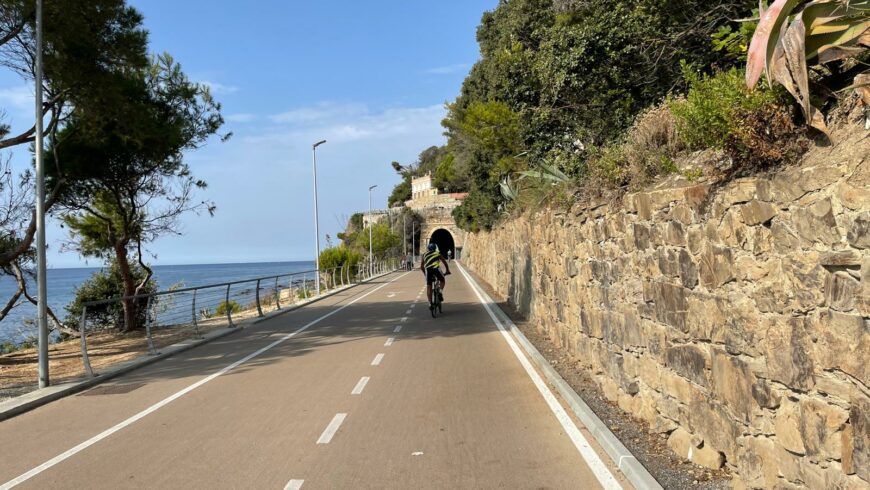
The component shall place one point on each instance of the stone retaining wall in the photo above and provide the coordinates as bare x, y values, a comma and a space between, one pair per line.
734, 319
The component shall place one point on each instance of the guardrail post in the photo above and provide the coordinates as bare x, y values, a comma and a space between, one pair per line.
333, 278
305, 285
148, 319
228, 308
278, 292
83, 334
259, 308
193, 315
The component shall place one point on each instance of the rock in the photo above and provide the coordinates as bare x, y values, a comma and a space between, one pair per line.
788, 428
680, 443
859, 417
841, 258
733, 382
690, 361
847, 448
764, 396
670, 304
716, 267
708, 457
843, 342
757, 212
757, 462
852, 197
710, 420
816, 223
641, 236
859, 233
819, 427
786, 351
841, 290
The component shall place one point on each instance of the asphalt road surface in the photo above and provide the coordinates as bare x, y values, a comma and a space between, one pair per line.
363, 389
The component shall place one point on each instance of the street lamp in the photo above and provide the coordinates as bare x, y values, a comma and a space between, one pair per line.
316, 220
371, 257
42, 287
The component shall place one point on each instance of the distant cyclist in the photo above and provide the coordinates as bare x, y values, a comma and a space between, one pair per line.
430, 267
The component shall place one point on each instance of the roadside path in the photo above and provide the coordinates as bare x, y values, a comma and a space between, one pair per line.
361, 390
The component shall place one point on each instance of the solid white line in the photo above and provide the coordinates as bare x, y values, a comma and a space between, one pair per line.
377, 360
397, 329
601, 471
389, 342
360, 386
162, 403
332, 428
294, 485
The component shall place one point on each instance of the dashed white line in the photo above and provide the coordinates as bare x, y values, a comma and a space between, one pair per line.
397, 329
404, 319
408, 311
389, 342
332, 428
360, 386
377, 360
294, 485
162, 403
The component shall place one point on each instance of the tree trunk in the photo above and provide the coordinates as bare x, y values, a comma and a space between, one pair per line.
128, 303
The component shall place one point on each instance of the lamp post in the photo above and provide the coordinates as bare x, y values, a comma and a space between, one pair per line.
42, 290
316, 220
371, 257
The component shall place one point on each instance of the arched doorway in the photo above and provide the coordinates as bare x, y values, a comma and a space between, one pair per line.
444, 240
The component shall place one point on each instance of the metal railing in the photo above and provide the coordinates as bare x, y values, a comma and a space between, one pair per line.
173, 315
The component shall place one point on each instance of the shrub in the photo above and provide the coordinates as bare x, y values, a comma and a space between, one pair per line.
754, 128
231, 306
104, 284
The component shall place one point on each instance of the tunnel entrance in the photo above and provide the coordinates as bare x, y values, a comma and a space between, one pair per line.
444, 240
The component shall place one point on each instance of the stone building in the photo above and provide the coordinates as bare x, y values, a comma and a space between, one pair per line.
436, 210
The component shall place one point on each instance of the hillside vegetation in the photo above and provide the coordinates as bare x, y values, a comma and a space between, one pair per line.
572, 98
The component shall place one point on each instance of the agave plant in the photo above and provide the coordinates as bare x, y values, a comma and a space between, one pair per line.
794, 33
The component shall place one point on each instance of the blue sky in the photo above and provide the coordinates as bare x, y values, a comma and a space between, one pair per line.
369, 77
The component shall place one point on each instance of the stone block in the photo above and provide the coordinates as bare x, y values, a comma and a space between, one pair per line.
671, 304
787, 353
859, 233
820, 424
764, 396
708, 457
716, 266
641, 236
859, 418
674, 234
841, 291
757, 462
816, 223
757, 212
732, 382
680, 443
852, 197
708, 419
843, 342
841, 258
788, 428
690, 361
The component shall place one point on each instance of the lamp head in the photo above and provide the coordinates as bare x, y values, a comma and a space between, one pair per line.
315, 145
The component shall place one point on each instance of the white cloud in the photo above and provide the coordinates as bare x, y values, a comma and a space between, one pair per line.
320, 113
351, 123
448, 70
220, 88
240, 118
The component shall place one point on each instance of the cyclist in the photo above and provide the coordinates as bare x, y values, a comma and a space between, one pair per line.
430, 267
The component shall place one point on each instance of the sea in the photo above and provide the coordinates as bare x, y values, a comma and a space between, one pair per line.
20, 323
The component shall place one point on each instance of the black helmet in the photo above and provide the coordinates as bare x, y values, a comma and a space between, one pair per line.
432, 247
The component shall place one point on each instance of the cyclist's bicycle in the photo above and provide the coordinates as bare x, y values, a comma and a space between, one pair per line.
436, 295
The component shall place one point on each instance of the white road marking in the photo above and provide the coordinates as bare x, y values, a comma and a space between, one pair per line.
417, 453
360, 386
412, 305
397, 329
332, 428
294, 485
404, 319
377, 360
408, 311
391, 295
162, 403
389, 342
601, 471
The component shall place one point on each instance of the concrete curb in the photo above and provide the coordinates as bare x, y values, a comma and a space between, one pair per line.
34, 399
627, 463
